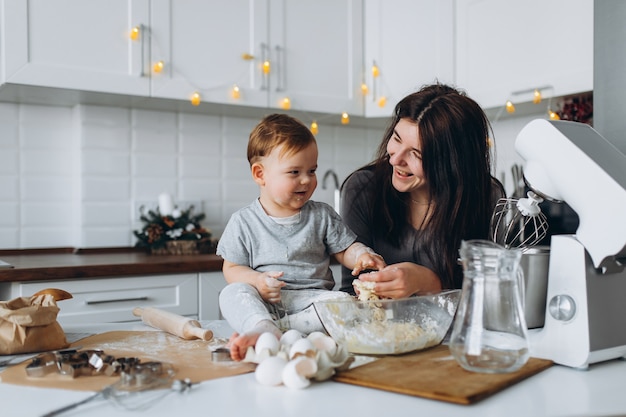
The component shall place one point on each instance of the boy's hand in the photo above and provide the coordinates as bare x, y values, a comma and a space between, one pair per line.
268, 285
368, 260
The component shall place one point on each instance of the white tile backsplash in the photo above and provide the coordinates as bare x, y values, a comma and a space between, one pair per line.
73, 176
9, 215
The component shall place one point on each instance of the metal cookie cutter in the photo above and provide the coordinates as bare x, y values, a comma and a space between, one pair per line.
221, 355
46, 363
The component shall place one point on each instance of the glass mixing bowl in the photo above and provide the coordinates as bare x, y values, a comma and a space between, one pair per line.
381, 327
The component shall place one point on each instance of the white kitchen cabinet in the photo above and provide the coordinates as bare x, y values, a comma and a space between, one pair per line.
412, 44
210, 286
313, 50
316, 52
109, 300
201, 44
512, 46
74, 44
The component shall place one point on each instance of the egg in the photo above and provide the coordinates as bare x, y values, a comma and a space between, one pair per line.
297, 372
270, 370
290, 337
267, 344
302, 347
323, 343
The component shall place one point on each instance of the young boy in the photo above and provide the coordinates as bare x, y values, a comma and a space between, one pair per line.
277, 250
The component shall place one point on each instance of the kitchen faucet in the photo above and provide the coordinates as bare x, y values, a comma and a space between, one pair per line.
335, 179
337, 196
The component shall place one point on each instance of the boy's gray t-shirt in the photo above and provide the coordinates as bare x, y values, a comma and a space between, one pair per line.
301, 250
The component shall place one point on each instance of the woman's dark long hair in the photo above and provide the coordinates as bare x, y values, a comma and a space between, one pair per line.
454, 133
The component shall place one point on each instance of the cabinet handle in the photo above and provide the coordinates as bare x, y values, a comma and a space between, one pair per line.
144, 34
280, 68
265, 72
116, 300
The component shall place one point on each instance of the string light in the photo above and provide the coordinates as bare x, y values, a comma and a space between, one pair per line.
195, 99
510, 108
158, 67
375, 70
134, 33
537, 98
553, 115
235, 92
382, 101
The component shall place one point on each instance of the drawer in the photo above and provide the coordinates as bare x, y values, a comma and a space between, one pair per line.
110, 300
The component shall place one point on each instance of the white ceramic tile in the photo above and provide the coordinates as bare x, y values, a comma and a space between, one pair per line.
148, 189
105, 116
155, 165
10, 188
200, 189
9, 215
241, 193
206, 127
9, 238
153, 119
201, 143
95, 136
105, 189
93, 237
149, 140
47, 133
236, 169
57, 215
46, 237
236, 135
54, 117
200, 166
104, 162
105, 214
9, 125
47, 161
47, 189
9, 162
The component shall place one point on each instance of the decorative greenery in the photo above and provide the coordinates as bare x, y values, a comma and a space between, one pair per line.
180, 225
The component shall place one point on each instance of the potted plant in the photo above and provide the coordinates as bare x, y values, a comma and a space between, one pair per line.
178, 233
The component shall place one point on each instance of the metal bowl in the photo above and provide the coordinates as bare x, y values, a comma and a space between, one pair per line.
385, 327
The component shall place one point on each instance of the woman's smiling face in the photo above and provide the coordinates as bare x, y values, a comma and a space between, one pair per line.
405, 157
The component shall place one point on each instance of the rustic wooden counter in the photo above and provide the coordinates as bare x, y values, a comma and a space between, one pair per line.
70, 263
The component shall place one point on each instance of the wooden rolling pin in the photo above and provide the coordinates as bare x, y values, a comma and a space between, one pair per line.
175, 324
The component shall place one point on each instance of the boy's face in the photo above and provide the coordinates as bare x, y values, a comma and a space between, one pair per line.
287, 181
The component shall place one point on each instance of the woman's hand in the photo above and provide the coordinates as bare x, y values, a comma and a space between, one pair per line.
268, 285
403, 280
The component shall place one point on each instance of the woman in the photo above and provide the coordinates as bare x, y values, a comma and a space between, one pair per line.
429, 187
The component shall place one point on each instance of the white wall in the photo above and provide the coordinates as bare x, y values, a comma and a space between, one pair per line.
76, 176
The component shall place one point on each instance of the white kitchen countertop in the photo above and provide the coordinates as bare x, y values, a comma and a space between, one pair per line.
557, 391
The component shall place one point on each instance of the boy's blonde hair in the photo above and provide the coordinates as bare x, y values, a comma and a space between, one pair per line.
276, 130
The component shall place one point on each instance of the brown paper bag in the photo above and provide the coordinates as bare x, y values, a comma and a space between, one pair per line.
29, 324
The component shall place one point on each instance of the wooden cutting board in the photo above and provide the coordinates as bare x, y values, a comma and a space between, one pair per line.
434, 374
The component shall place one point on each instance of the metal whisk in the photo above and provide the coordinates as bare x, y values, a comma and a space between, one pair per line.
518, 222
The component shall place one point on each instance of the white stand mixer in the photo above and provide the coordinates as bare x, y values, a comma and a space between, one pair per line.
585, 318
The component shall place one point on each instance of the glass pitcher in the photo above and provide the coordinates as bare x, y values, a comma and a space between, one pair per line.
489, 333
